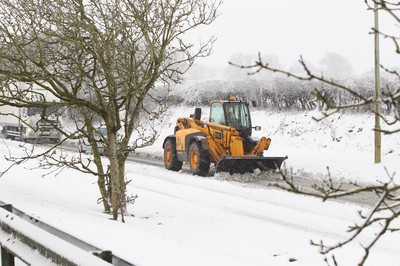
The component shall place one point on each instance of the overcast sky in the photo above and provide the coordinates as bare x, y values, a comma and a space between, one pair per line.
290, 28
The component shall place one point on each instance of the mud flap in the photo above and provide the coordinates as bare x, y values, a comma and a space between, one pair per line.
248, 165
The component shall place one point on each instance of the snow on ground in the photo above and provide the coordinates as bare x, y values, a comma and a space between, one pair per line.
180, 219
342, 142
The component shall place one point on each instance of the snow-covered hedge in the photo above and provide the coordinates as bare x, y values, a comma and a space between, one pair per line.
279, 93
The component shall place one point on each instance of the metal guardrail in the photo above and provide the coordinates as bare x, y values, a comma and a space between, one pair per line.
37, 243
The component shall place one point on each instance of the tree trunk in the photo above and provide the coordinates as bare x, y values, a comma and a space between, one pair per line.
121, 169
114, 174
101, 182
101, 179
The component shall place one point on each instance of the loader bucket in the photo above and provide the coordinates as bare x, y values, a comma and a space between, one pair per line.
249, 164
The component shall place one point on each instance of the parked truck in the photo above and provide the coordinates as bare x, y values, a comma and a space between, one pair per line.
27, 123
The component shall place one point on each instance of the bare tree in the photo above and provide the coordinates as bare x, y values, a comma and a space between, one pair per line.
383, 217
102, 60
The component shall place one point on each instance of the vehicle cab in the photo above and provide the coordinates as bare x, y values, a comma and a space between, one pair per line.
232, 113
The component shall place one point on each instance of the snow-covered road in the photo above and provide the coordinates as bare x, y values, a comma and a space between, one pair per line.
251, 225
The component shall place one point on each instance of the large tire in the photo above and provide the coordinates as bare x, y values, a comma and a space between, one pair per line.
199, 159
171, 161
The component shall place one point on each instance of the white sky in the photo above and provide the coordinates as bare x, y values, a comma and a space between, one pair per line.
290, 28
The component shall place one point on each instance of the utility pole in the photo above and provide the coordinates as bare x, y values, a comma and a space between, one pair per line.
377, 129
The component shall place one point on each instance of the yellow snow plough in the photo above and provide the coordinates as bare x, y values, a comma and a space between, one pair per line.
225, 141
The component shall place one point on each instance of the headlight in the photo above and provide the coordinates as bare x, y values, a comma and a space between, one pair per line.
29, 131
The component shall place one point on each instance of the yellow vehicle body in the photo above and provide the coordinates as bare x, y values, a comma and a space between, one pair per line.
230, 149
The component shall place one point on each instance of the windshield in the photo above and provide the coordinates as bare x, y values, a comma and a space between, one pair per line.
237, 115
39, 111
103, 131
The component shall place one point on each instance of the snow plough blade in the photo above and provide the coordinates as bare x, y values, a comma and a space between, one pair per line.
249, 164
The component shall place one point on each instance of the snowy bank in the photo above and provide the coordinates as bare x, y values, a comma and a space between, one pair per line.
342, 142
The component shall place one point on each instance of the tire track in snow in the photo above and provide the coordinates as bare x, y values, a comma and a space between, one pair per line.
282, 214
224, 201
366, 199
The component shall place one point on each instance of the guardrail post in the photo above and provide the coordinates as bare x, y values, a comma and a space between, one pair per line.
105, 255
7, 258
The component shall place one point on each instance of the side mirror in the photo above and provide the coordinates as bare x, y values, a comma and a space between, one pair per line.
197, 113
257, 128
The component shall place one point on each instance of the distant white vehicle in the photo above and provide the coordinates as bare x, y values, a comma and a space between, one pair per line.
84, 145
26, 123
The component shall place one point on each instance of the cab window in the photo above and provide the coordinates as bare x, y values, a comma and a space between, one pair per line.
238, 115
217, 114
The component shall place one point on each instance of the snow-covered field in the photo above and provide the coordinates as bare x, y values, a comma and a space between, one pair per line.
180, 219
342, 142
